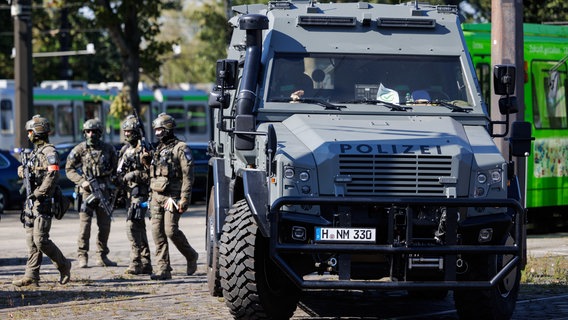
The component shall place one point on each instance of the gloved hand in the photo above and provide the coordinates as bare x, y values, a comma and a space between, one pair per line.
146, 158
183, 205
86, 186
21, 171
129, 177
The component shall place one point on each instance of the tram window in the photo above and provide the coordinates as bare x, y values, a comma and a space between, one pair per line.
47, 111
92, 111
177, 111
549, 95
6, 117
197, 119
65, 121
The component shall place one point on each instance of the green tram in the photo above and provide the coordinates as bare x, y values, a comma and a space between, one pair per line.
545, 55
69, 104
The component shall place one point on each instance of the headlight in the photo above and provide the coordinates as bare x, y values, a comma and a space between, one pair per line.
486, 181
495, 175
289, 173
304, 176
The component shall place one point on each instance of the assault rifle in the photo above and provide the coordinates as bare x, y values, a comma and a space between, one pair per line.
97, 192
145, 145
29, 203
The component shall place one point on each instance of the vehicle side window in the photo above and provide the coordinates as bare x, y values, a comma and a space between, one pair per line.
549, 95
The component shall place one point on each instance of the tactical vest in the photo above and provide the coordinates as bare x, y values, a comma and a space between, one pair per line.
39, 163
164, 164
97, 162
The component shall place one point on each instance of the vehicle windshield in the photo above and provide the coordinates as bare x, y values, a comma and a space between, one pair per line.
407, 80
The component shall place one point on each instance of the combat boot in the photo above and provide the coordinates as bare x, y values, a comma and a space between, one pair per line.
133, 270
65, 272
83, 261
106, 262
25, 281
192, 264
164, 275
146, 269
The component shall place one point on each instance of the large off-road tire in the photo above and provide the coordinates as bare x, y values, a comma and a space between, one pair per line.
213, 279
253, 286
495, 303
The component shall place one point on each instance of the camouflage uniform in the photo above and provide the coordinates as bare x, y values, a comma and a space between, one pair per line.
171, 174
44, 165
99, 159
134, 177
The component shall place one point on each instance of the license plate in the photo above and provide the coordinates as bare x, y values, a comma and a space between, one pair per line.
359, 235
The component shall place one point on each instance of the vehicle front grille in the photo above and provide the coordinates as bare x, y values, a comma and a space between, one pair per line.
395, 175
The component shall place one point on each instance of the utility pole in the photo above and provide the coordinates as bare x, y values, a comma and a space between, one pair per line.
22, 13
507, 47
65, 71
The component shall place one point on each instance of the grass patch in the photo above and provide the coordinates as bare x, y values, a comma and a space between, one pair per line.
546, 270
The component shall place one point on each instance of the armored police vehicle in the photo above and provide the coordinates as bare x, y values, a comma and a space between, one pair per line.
352, 150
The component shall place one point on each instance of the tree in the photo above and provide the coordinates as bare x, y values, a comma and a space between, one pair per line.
6, 42
534, 11
60, 26
133, 26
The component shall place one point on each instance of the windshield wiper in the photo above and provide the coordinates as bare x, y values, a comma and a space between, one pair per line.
452, 106
392, 106
323, 103
444, 103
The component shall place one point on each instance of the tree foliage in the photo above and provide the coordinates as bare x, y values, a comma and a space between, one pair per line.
133, 26
129, 39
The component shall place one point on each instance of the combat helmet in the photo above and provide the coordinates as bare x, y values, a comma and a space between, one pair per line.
38, 124
131, 124
165, 121
93, 124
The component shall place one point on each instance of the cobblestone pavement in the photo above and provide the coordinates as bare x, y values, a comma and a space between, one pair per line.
106, 293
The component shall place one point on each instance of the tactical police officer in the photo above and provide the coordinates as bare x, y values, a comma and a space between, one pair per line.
134, 177
91, 165
41, 171
171, 177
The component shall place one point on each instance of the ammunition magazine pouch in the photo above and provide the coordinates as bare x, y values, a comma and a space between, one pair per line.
159, 184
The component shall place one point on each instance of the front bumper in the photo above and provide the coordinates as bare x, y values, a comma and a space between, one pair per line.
281, 252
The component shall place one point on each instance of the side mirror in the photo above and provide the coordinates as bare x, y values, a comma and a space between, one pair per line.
226, 72
219, 99
244, 123
521, 138
508, 105
504, 79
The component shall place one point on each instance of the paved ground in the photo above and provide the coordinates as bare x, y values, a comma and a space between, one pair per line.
104, 292
98, 292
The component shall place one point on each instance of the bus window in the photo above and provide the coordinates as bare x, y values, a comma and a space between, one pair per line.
177, 111
47, 111
549, 95
197, 119
65, 123
6, 117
